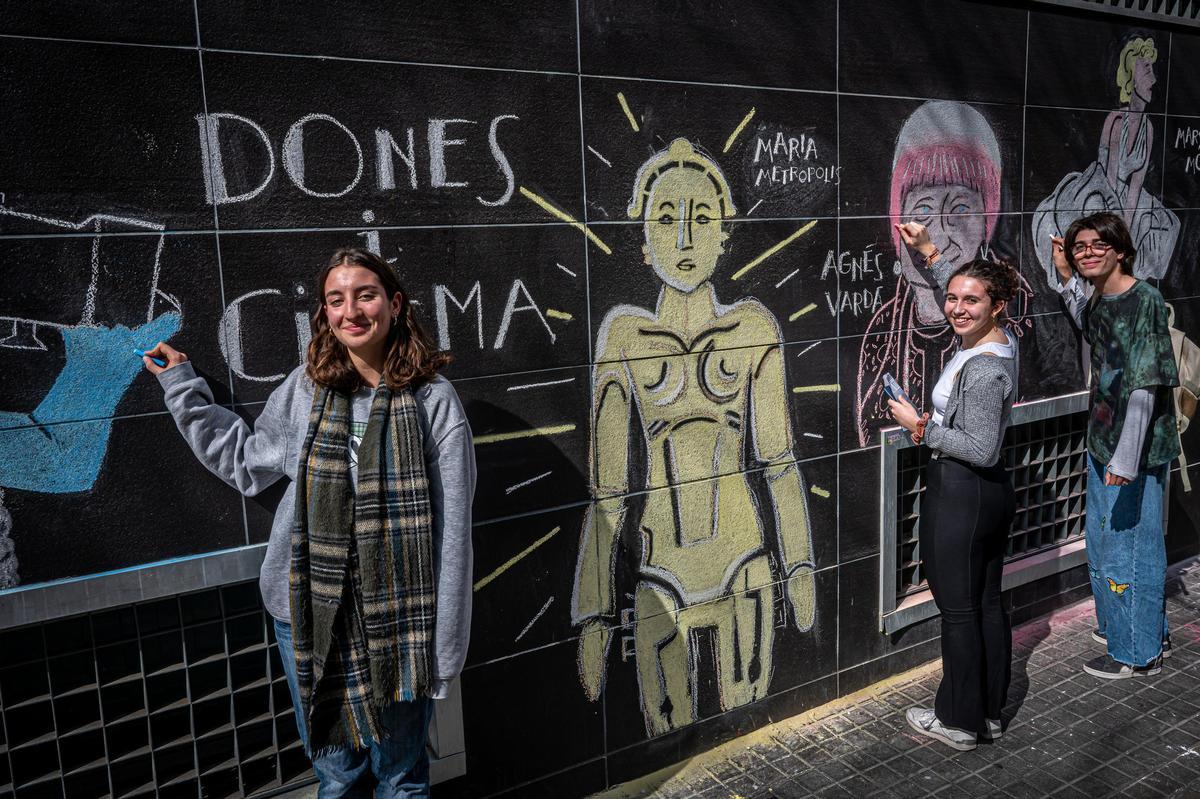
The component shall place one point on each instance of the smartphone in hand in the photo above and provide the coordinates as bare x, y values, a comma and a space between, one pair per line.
893, 389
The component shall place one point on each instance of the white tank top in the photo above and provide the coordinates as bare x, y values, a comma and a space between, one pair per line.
945, 383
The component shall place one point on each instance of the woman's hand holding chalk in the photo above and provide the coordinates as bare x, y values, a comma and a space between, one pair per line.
161, 357
157, 361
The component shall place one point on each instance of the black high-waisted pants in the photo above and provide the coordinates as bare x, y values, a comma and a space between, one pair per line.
965, 520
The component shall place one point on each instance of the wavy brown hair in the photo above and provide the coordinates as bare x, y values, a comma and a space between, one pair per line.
411, 359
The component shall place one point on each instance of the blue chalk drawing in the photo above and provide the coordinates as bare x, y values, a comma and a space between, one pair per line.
42, 452
60, 446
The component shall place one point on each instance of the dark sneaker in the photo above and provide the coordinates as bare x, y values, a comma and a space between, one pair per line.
1106, 668
925, 721
1101, 638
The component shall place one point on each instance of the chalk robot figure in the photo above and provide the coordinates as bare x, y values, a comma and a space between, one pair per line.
699, 387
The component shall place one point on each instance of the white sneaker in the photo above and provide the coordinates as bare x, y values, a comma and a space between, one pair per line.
925, 721
994, 729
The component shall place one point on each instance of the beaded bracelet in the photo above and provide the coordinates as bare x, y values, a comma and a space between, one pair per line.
919, 434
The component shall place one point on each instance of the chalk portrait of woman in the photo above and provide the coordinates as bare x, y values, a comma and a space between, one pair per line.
946, 173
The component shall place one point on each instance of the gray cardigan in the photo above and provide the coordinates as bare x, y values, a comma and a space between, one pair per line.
252, 458
972, 428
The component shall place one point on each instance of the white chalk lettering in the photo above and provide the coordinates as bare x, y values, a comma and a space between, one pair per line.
857, 302
1186, 136
502, 162
293, 155
303, 333
220, 165
440, 293
789, 148
372, 237
229, 337
863, 267
437, 151
778, 175
511, 307
385, 147
215, 187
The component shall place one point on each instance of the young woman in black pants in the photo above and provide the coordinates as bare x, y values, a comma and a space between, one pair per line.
969, 503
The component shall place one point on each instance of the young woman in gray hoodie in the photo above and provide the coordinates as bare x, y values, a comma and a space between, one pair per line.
377, 564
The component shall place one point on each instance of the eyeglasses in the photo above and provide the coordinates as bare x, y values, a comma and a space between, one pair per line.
1098, 247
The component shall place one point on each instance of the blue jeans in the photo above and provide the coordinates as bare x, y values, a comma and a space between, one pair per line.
399, 763
1127, 562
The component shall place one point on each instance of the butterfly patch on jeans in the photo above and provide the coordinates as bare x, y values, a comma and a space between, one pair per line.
1117, 588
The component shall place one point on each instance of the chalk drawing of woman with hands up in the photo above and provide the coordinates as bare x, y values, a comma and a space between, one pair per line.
1115, 181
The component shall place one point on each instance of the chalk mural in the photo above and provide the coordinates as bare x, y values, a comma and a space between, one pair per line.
666, 274
709, 405
40, 452
1115, 181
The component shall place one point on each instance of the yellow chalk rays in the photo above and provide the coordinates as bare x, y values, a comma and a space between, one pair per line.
508, 564
628, 113
564, 216
802, 312
535, 431
773, 250
738, 130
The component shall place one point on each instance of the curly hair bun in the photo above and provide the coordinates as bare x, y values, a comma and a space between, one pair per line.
1000, 277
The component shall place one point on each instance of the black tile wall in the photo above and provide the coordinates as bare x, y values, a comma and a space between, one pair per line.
672, 41
512, 34
171, 22
948, 47
457, 141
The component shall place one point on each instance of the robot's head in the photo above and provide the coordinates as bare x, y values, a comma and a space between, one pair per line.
683, 198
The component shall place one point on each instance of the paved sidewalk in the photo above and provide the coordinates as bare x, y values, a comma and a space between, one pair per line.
1067, 734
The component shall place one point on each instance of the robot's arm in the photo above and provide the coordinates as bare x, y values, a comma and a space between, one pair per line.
773, 445
593, 595
592, 599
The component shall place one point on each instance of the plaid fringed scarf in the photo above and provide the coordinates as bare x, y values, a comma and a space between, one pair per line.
362, 577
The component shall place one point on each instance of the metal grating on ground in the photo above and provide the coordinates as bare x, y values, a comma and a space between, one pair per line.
1186, 12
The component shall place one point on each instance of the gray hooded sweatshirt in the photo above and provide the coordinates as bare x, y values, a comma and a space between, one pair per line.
250, 460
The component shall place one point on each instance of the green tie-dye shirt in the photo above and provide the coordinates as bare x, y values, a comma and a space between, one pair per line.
1131, 349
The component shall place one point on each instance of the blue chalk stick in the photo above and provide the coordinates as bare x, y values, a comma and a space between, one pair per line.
158, 361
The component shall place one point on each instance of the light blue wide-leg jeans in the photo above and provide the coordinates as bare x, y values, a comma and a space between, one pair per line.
400, 762
1127, 562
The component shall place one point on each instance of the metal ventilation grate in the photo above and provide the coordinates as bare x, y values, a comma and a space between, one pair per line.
1045, 456
1186, 12
1047, 461
183, 697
